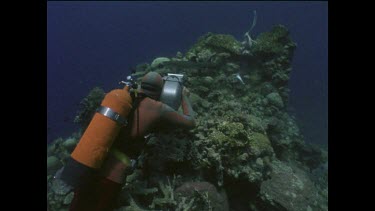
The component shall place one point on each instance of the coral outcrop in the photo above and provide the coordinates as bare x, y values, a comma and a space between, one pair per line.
246, 151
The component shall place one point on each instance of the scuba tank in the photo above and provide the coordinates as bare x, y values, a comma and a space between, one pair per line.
172, 90
95, 144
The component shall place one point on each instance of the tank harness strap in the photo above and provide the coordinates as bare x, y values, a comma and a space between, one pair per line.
108, 112
137, 100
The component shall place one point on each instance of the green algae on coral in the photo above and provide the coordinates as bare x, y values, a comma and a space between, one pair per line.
260, 145
219, 43
274, 42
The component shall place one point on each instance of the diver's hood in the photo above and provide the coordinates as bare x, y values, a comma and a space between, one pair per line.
152, 85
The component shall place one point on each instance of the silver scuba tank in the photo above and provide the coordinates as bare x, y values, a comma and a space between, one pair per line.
172, 90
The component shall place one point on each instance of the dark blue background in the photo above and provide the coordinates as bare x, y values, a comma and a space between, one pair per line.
94, 43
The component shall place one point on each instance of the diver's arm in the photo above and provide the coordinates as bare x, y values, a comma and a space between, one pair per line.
186, 106
185, 120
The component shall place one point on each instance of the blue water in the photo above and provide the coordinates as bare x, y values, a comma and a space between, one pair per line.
95, 43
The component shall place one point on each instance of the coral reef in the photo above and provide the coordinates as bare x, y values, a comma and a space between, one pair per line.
53, 164
274, 43
88, 106
291, 188
158, 61
59, 196
212, 198
245, 153
213, 45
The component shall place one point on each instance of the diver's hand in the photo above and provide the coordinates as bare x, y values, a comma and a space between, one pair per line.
186, 92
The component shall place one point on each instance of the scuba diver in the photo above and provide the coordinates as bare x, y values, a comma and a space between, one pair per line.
147, 114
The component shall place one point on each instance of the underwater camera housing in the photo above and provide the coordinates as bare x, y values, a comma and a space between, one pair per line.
172, 90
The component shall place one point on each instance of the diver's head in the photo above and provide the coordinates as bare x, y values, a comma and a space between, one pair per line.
152, 85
